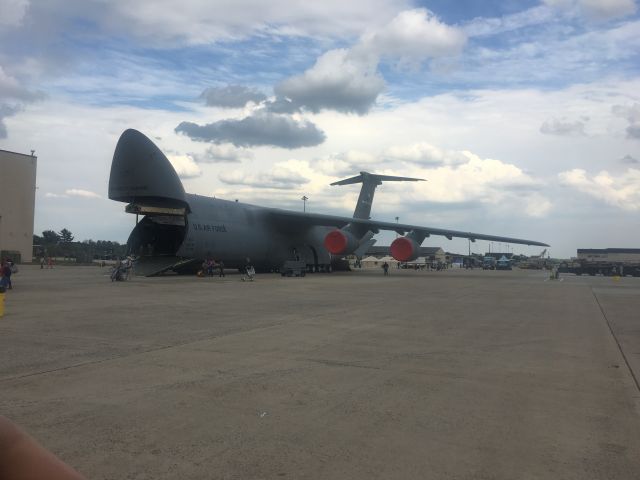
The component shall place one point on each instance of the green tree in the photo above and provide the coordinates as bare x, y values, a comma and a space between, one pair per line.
49, 237
65, 236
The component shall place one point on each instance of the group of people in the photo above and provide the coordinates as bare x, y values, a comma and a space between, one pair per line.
209, 266
7, 268
122, 269
48, 262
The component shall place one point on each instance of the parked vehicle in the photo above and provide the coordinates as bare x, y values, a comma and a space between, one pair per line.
294, 268
503, 264
488, 263
605, 268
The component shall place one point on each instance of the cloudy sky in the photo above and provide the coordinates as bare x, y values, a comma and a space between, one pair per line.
524, 116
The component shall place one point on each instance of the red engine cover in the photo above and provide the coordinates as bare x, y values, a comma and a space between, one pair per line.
404, 249
336, 242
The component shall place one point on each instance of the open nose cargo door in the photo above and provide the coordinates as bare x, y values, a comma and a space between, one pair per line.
142, 176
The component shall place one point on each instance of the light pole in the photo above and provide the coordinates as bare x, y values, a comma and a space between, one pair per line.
397, 220
304, 203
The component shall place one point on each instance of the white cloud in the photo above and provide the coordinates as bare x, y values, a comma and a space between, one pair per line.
348, 80
346, 163
6, 111
231, 96
279, 177
633, 131
223, 153
13, 12
477, 180
198, 22
413, 36
620, 191
605, 9
427, 154
632, 114
12, 89
482, 26
486, 180
628, 159
537, 206
13, 96
563, 127
559, 53
185, 166
596, 9
78, 192
339, 80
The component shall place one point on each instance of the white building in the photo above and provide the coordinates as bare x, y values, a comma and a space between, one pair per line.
609, 255
17, 204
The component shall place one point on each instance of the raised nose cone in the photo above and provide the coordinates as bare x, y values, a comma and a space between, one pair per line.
142, 174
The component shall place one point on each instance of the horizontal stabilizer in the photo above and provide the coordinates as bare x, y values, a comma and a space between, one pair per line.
369, 183
379, 178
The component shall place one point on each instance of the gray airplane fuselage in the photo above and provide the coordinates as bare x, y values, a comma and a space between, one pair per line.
235, 231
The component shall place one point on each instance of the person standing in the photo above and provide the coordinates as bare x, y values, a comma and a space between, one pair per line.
210, 267
6, 275
221, 268
385, 267
250, 272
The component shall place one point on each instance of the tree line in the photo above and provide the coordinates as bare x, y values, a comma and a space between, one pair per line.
62, 245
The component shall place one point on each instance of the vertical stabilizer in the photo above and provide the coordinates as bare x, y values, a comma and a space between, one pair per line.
369, 183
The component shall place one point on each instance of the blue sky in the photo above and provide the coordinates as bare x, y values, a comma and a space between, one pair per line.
523, 115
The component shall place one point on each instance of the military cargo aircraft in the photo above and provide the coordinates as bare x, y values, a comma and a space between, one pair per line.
179, 230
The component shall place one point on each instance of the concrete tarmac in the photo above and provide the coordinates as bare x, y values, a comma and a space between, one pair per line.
444, 375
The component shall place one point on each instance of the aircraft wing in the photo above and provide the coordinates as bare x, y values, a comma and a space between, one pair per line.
292, 221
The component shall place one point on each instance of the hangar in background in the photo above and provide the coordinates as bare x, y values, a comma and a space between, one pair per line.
434, 254
17, 205
619, 255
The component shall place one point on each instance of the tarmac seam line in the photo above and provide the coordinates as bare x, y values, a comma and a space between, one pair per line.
151, 350
615, 338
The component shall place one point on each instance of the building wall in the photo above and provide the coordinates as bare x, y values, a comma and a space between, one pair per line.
17, 202
614, 255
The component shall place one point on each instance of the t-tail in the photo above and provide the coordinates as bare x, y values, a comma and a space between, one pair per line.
369, 183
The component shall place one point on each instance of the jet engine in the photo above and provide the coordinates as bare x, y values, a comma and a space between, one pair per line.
405, 249
340, 242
